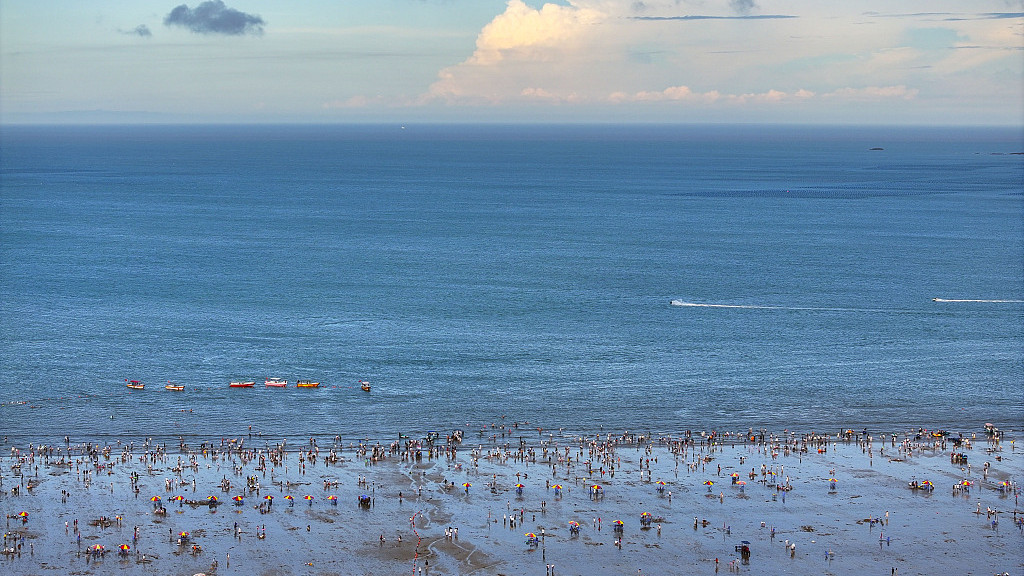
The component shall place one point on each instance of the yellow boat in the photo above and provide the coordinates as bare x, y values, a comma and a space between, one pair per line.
307, 384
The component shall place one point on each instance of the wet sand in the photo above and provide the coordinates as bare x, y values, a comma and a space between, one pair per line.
871, 522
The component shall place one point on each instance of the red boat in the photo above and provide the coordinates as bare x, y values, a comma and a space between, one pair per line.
241, 385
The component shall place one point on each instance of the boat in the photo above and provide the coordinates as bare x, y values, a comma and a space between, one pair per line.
365, 385
249, 384
307, 384
172, 386
276, 383
135, 384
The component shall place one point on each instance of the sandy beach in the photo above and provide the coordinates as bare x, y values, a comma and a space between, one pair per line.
801, 504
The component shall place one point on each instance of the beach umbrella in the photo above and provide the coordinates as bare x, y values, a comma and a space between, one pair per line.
661, 485
466, 485
211, 499
268, 497
618, 523
709, 484
238, 499
741, 484
155, 499
290, 499
309, 499
124, 548
531, 535
519, 485
333, 499
558, 489
965, 483
96, 549
574, 524
832, 483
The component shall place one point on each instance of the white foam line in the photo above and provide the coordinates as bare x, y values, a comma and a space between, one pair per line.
978, 301
804, 308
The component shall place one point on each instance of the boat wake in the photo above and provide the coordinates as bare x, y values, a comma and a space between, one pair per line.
751, 307
822, 308
956, 300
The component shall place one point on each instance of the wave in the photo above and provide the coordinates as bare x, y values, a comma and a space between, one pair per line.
961, 300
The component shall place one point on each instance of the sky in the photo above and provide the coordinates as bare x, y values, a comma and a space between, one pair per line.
925, 62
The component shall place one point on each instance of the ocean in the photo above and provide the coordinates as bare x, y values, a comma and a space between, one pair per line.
491, 275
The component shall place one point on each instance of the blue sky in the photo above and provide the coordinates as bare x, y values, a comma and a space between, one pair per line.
870, 61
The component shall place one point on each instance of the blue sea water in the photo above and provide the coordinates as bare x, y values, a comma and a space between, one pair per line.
475, 273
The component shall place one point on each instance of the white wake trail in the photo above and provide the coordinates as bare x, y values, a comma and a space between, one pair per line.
960, 300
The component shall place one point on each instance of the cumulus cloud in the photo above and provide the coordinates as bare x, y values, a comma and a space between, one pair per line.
685, 94
213, 17
521, 48
523, 31
585, 52
874, 93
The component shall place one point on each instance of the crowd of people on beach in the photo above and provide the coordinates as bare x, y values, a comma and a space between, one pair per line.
581, 462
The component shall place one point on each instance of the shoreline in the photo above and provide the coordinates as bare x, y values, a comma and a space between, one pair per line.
867, 521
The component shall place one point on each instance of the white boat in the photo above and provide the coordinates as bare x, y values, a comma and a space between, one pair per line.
276, 382
365, 385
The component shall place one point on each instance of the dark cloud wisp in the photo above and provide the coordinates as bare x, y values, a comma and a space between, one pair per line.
742, 6
213, 17
141, 30
698, 17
